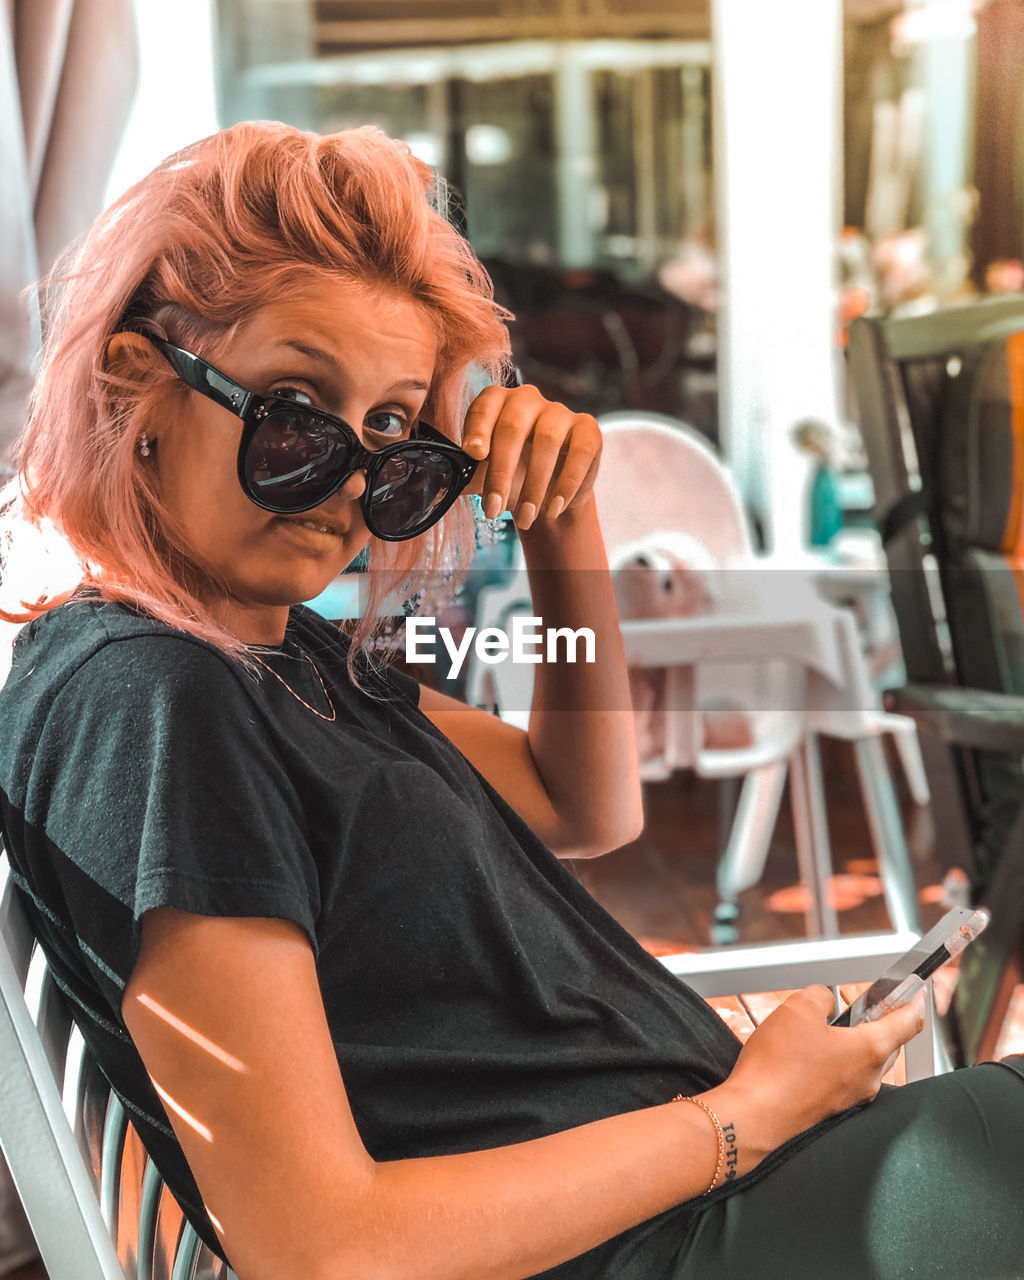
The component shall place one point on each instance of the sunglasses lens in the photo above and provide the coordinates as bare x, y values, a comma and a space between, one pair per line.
294, 460
410, 491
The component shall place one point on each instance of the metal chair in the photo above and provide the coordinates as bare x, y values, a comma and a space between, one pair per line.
68, 1142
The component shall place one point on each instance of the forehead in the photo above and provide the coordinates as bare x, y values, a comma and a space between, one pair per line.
348, 320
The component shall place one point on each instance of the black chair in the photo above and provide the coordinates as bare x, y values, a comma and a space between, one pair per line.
941, 407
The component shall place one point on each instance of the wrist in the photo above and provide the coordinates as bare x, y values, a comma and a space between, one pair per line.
749, 1128
725, 1137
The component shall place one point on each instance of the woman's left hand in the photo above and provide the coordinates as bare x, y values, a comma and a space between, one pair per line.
536, 456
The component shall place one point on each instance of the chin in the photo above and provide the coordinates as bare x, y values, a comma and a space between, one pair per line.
282, 595
310, 591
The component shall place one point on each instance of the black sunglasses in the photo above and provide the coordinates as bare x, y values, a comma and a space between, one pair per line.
292, 457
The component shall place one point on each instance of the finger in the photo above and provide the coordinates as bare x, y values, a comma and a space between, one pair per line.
578, 467
900, 1025
479, 481
480, 421
509, 434
548, 440
487, 410
818, 1000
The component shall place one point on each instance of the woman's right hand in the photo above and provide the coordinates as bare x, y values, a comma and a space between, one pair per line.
796, 1070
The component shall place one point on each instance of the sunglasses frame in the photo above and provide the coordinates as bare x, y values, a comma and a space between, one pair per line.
253, 408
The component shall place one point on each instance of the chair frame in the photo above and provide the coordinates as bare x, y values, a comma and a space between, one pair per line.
953, 721
783, 966
46, 1091
825, 649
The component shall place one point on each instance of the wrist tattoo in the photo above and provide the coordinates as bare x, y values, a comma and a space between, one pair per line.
732, 1155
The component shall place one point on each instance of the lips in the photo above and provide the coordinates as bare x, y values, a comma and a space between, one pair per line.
317, 526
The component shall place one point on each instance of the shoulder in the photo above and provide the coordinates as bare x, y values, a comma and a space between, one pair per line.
113, 659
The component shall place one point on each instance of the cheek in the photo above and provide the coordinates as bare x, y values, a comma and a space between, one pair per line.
197, 480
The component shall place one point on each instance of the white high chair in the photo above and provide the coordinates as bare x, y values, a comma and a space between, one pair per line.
793, 660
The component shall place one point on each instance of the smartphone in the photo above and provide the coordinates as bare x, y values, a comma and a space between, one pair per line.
907, 975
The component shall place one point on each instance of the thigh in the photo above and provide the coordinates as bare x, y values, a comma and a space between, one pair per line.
928, 1181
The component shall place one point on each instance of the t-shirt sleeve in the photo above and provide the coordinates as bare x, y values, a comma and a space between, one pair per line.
162, 784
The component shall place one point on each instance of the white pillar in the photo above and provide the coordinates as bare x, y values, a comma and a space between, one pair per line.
948, 67
777, 103
575, 149
19, 267
175, 103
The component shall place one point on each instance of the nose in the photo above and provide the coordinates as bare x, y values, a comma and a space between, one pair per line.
353, 487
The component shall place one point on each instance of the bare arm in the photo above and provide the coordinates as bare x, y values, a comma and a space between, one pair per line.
228, 1018
573, 776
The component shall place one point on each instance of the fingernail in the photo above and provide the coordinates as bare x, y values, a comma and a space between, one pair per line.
555, 508
526, 515
475, 445
492, 506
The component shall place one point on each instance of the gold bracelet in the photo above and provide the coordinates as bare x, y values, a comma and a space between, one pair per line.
719, 1134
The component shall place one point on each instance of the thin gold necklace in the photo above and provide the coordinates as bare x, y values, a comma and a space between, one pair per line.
316, 671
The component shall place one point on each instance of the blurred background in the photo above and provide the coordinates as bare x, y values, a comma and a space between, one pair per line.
684, 202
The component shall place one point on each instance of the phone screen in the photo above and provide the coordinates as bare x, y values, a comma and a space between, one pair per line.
948, 938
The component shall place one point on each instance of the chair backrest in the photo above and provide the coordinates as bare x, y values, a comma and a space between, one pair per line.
97, 1206
659, 479
658, 474
941, 407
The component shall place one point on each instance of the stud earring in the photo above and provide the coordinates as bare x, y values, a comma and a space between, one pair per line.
144, 449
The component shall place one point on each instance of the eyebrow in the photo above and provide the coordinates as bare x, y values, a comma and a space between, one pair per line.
324, 357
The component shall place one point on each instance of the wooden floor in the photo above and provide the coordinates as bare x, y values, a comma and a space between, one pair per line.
662, 887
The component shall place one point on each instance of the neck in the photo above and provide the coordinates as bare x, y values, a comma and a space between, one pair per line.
253, 624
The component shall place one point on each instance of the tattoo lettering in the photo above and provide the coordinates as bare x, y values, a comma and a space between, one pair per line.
732, 1154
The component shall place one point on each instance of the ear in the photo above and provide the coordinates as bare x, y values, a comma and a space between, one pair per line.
127, 352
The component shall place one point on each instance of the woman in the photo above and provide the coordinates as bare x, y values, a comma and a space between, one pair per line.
363, 1020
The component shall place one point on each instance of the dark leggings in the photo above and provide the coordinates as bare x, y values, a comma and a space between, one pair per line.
927, 1181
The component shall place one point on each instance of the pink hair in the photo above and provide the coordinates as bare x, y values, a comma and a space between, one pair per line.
193, 251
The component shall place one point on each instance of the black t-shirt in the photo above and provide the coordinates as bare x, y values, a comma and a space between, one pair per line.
476, 994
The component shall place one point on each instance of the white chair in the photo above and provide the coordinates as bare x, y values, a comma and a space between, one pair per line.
64, 1135
795, 659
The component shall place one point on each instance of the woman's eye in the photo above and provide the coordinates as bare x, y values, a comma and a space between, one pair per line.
387, 424
293, 393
